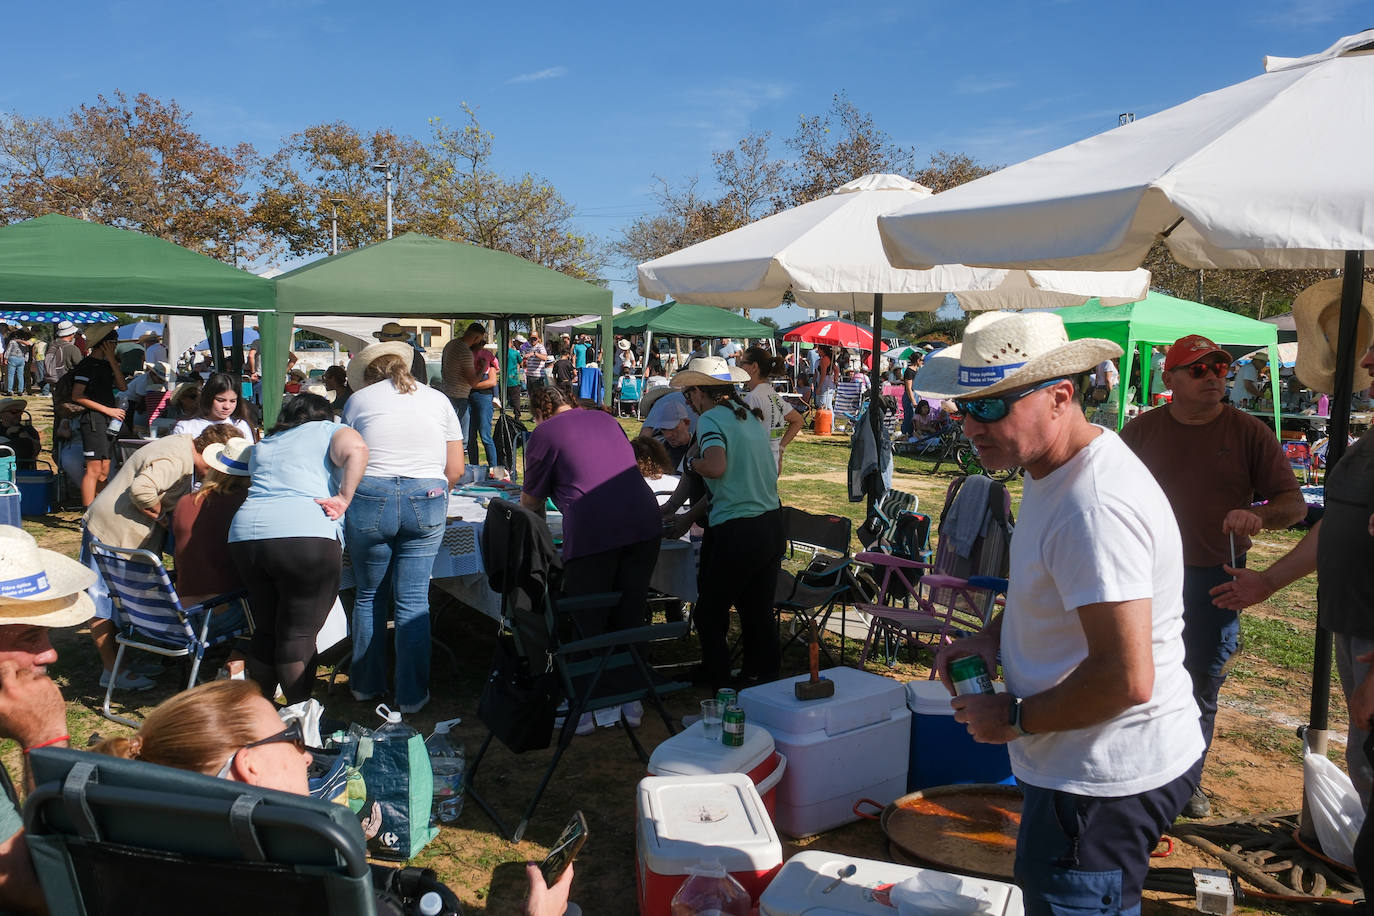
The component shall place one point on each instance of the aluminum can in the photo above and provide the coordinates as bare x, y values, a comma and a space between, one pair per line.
970, 675
733, 726
727, 697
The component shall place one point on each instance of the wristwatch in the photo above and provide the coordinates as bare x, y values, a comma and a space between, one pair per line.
1014, 718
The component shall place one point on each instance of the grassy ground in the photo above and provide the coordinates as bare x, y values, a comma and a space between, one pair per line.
1255, 765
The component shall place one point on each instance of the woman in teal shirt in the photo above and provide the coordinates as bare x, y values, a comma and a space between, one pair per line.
743, 547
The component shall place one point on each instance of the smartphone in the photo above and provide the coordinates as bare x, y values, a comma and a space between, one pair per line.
565, 850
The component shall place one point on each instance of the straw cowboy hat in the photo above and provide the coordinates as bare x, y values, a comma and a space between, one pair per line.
95, 333
149, 336
708, 370
1317, 315
1003, 351
392, 331
230, 457
372, 352
41, 587
646, 403
622, 344
316, 386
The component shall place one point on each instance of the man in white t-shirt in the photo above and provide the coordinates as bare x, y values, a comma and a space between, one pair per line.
1099, 711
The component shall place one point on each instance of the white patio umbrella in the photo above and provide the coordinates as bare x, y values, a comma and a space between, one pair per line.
1272, 172
827, 253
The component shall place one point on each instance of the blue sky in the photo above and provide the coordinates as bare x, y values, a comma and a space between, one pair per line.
599, 98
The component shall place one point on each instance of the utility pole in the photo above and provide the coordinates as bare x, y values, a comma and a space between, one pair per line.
385, 169
334, 223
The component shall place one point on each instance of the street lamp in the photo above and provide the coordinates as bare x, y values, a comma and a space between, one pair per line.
334, 223
385, 169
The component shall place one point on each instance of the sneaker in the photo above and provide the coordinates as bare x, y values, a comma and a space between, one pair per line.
147, 667
1199, 805
127, 680
632, 713
585, 725
409, 708
363, 697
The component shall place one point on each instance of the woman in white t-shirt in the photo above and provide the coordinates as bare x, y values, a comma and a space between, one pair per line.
396, 520
219, 403
780, 417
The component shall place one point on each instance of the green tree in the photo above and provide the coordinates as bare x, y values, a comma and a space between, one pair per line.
837, 147
133, 163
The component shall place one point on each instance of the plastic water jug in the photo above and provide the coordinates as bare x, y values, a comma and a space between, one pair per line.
710, 890
449, 763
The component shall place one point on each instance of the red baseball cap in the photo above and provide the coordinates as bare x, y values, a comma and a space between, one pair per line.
1190, 349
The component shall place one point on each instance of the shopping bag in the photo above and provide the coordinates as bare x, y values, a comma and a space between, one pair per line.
1334, 806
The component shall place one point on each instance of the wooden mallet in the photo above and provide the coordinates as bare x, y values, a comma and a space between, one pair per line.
817, 687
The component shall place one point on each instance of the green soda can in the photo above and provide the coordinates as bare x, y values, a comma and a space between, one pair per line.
970, 675
727, 697
733, 725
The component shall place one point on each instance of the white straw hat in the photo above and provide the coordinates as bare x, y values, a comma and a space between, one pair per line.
1317, 316
1003, 351
358, 364
41, 587
230, 457
708, 370
65, 329
95, 333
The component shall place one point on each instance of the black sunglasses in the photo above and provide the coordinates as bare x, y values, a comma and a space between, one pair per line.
294, 733
990, 410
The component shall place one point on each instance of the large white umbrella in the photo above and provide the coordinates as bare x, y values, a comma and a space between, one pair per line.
1272, 172
828, 255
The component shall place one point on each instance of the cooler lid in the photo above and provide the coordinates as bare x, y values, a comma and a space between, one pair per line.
930, 698
691, 753
861, 699
798, 887
686, 819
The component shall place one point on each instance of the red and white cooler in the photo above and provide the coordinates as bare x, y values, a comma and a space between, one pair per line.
691, 753
686, 820
811, 884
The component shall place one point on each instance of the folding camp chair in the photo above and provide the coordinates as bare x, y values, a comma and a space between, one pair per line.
1299, 456
110, 836
628, 390
811, 594
149, 616
955, 594
849, 403
547, 652
876, 531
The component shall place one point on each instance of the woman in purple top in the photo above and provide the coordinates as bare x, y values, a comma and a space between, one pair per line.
611, 529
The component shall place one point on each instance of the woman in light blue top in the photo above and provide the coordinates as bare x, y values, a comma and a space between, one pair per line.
286, 539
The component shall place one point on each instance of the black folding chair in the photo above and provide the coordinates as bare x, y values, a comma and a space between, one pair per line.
811, 594
110, 836
556, 656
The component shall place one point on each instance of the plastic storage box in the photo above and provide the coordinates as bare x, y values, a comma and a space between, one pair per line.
838, 750
691, 753
685, 820
800, 887
943, 753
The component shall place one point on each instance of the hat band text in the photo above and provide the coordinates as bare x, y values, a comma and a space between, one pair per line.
982, 376
22, 588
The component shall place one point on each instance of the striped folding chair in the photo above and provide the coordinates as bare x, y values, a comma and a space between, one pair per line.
149, 616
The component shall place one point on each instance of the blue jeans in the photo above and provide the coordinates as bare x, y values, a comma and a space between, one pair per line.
479, 426
395, 524
14, 376
460, 407
1211, 636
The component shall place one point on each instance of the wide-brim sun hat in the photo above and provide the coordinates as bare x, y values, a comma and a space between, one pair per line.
65, 329
1003, 351
646, 403
230, 457
392, 331
708, 370
41, 587
622, 344
95, 333
372, 352
7, 403
315, 386
1317, 317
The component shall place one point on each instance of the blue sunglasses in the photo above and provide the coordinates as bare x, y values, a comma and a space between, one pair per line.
990, 410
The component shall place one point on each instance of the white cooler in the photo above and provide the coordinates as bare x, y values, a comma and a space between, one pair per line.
685, 820
691, 753
840, 749
800, 887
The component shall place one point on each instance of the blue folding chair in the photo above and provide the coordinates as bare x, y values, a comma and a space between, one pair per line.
629, 389
149, 616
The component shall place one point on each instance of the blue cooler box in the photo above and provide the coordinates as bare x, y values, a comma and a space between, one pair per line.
942, 751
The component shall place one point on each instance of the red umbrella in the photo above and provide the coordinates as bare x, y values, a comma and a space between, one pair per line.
834, 332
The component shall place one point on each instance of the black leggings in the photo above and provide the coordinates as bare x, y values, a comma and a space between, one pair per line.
292, 584
739, 566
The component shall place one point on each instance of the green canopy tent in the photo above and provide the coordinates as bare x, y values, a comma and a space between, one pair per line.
1159, 319
55, 260
415, 274
678, 319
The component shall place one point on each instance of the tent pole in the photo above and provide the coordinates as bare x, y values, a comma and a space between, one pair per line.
273, 349
1352, 280
875, 407
212, 339
1274, 367
236, 342
607, 357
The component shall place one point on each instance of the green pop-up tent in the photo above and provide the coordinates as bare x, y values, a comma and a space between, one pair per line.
678, 319
415, 274
1159, 319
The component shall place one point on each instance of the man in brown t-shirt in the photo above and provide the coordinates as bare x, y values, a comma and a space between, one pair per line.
458, 372
1214, 463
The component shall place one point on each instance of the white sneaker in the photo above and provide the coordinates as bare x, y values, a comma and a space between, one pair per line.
632, 713
585, 725
127, 680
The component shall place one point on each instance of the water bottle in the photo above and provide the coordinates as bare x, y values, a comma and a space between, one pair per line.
710, 891
116, 424
448, 762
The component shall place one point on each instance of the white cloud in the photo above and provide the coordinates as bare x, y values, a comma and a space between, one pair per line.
548, 73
